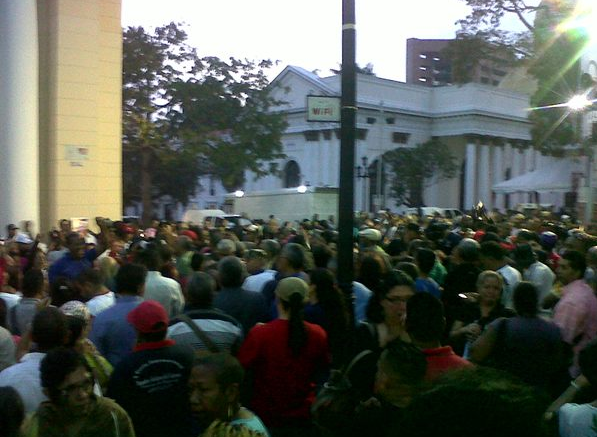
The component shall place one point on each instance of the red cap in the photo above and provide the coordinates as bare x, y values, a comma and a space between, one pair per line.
148, 317
191, 234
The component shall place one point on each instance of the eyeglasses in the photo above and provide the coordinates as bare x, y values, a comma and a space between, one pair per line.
85, 385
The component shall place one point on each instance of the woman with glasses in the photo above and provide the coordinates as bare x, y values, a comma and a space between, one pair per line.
386, 316
73, 409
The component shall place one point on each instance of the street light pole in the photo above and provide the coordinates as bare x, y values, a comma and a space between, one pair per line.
347, 143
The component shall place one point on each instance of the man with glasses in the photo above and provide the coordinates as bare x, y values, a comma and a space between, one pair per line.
73, 408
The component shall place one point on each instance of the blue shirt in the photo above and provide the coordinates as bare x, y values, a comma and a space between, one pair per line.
111, 333
428, 285
70, 268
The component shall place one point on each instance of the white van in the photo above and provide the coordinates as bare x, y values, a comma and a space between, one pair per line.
198, 216
432, 211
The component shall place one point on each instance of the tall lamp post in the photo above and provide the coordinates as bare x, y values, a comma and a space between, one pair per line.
347, 143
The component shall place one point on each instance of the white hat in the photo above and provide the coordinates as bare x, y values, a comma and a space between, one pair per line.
370, 234
23, 238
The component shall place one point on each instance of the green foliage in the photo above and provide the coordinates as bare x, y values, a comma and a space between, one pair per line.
191, 116
413, 169
556, 67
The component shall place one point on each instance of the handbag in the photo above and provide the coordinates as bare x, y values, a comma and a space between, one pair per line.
338, 399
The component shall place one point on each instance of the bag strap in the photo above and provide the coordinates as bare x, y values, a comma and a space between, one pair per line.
116, 427
356, 359
13, 321
200, 333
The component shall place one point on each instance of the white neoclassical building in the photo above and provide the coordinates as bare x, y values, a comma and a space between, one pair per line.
486, 129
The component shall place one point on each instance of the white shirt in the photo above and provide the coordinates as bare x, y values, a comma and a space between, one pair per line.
11, 299
100, 303
576, 420
166, 291
24, 377
511, 278
256, 282
541, 277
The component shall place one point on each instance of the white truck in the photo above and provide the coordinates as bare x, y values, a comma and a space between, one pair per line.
286, 204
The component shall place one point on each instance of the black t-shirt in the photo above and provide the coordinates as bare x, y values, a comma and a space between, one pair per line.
151, 385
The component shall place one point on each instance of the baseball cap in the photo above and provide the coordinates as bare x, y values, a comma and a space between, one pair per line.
370, 234
12, 227
23, 238
289, 286
74, 308
149, 317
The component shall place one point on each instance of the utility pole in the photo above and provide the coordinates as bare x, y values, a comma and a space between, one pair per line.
347, 143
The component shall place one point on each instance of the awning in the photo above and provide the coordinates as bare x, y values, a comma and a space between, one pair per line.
553, 177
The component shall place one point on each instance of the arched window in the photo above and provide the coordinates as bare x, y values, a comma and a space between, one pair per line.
292, 175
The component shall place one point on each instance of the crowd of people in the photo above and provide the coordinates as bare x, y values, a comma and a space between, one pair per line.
484, 325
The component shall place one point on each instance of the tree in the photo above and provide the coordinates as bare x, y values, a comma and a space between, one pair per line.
186, 116
414, 169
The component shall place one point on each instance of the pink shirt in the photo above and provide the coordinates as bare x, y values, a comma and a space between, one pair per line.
576, 315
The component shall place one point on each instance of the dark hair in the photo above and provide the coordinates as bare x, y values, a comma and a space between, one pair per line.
321, 255
200, 290
576, 260
226, 367
3, 313
527, 235
150, 258
409, 268
425, 260
48, 328
56, 366
493, 250
334, 306
130, 278
75, 326
425, 317
405, 361
61, 292
33, 282
295, 255
370, 272
12, 412
526, 299
90, 276
394, 278
196, 261
297, 334
476, 402
230, 272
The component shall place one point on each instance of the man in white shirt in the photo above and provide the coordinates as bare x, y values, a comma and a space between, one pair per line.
165, 290
91, 287
257, 266
493, 257
48, 331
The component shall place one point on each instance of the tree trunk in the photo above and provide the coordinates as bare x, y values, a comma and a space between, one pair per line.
416, 195
146, 200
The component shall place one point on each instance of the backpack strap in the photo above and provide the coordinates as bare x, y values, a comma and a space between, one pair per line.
200, 333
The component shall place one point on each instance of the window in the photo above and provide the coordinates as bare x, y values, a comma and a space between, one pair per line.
371, 120
499, 73
390, 120
311, 135
422, 79
495, 82
292, 174
362, 134
423, 56
485, 80
327, 134
423, 68
436, 59
400, 137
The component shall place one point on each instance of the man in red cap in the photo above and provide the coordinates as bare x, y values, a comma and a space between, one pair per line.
151, 383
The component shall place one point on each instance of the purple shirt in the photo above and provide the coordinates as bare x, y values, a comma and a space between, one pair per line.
576, 315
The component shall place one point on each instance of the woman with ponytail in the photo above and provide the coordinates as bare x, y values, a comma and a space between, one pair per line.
286, 358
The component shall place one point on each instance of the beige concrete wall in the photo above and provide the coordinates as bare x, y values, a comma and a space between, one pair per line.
80, 111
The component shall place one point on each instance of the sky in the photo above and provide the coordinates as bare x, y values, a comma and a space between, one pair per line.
305, 33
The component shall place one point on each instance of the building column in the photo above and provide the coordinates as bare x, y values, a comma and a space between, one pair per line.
484, 178
19, 107
470, 177
498, 174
